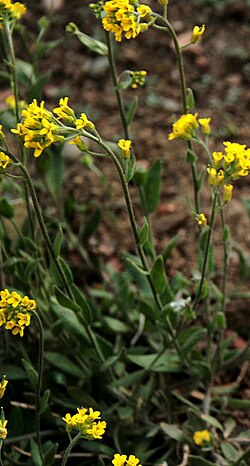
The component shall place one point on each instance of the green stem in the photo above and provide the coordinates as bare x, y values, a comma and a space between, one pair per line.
69, 448
134, 228
50, 248
13, 70
206, 252
39, 385
179, 60
115, 83
17, 113
225, 260
183, 88
40, 219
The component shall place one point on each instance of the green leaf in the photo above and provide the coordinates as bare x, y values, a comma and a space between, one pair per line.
36, 458
130, 379
115, 325
164, 363
58, 241
54, 175
6, 209
172, 431
170, 246
190, 99
44, 401
130, 168
63, 363
67, 271
191, 157
212, 421
65, 301
70, 321
230, 453
86, 312
93, 44
49, 453
92, 224
37, 88
152, 186
144, 232
13, 372
31, 373
131, 111
158, 275
199, 461
189, 338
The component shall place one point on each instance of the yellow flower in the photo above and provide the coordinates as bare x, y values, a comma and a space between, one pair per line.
2, 136
185, 127
228, 188
215, 178
14, 299
4, 161
83, 122
202, 437
197, 33
144, 10
3, 430
205, 125
119, 460
24, 319
125, 146
79, 143
218, 157
201, 219
97, 429
64, 111
132, 461
3, 385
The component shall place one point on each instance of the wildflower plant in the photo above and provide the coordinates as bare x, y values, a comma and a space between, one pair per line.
149, 348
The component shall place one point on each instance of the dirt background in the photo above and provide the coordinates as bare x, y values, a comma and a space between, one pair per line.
217, 70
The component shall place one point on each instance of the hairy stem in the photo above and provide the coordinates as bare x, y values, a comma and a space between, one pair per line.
39, 384
69, 448
206, 252
115, 83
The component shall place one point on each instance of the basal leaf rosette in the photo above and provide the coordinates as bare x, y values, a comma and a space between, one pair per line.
15, 311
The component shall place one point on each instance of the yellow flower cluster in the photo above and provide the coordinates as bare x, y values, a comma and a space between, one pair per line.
229, 166
202, 437
15, 311
85, 423
39, 129
10, 11
121, 460
137, 78
185, 127
3, 430
124, 16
